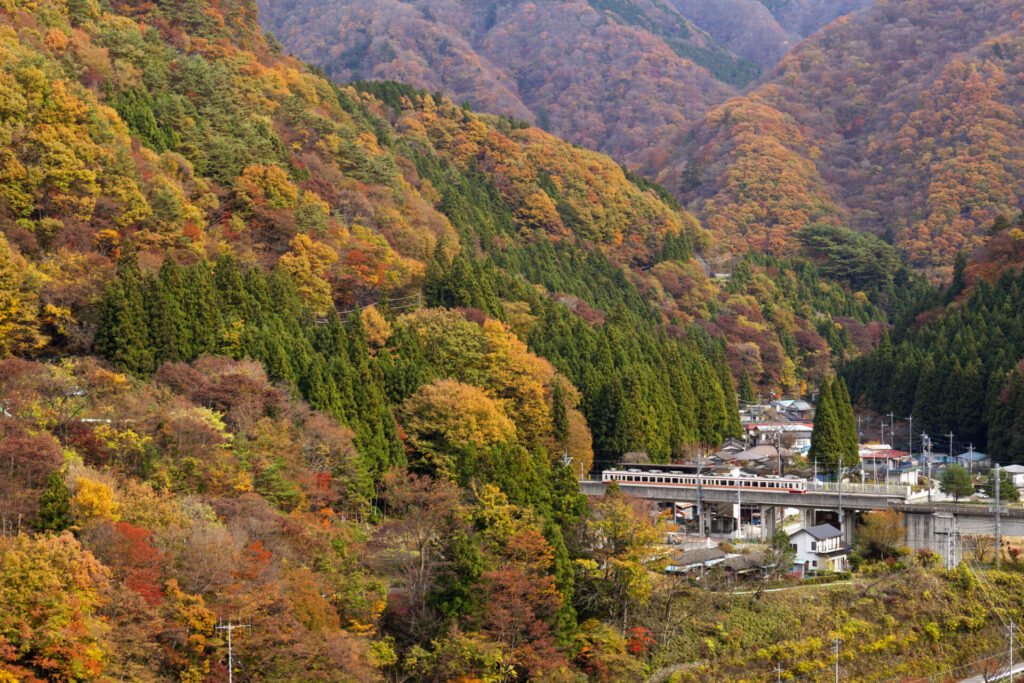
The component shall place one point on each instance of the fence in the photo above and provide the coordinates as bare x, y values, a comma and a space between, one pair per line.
852, 487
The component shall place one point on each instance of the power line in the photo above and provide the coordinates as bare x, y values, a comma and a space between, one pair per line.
229, 627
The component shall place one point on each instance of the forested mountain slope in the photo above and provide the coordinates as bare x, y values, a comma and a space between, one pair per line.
189, 220
972, 340
763, 30
617, 76
314, 359
901, 120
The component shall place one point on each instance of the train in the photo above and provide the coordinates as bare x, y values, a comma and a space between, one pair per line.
685, 476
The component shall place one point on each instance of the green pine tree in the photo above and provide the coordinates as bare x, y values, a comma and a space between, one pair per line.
54, 505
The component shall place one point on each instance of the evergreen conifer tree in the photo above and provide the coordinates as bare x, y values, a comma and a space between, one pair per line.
559, 415
826, 439
54, 505
201, 310
847, 423
747, 396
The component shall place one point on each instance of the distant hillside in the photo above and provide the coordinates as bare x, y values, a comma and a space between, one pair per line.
902, 120
619, 76
971, 339
763, 30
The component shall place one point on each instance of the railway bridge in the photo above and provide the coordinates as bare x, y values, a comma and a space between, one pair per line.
939, 527
821, 503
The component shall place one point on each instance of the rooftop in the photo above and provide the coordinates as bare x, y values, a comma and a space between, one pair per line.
976, 456
821, 531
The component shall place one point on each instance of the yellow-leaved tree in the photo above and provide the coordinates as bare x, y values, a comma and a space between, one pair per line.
19, 306
307, 263
446, 416
518, 377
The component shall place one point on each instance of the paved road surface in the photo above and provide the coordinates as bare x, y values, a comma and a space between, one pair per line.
1018, 675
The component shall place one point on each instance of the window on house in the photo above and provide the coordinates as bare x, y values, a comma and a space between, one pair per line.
814, 545
814, 563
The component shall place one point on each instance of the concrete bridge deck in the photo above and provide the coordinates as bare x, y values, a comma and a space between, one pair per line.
855, 499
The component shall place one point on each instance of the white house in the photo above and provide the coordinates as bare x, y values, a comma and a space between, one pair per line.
819, 549
1016, 473
769, 433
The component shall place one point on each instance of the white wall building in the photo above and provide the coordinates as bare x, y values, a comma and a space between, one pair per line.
819, 549
1016, 473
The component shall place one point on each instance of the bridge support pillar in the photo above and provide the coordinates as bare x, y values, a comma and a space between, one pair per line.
769, 522
849, 524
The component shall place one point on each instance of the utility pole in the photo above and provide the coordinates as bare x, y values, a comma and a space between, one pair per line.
970, 461
778, 448
837, 657
951, 541
910, 435
950, 435
739, 513
926, 446
949, 551
1011, 650
999, 540
229, 627
840, 484
700, 509
778, 672
892, 430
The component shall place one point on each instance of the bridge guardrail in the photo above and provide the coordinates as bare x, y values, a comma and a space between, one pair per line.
852, 487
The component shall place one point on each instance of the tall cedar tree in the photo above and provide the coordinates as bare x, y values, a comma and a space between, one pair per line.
827, 442
747, 395
847, 423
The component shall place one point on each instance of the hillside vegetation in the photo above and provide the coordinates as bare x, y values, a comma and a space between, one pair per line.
763, 31
901, 120
971, 339
616, 76
327, 362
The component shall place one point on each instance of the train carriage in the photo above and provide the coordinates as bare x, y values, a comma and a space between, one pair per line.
686, 477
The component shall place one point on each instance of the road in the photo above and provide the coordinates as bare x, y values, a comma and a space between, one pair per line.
1018, 669
801, 587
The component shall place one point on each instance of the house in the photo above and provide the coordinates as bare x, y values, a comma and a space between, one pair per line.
729, 447
695, 562
1016, 473
740, 566
819, 549
974, 460
770, 433
747, 458
887, 465
732, 444
794, 410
